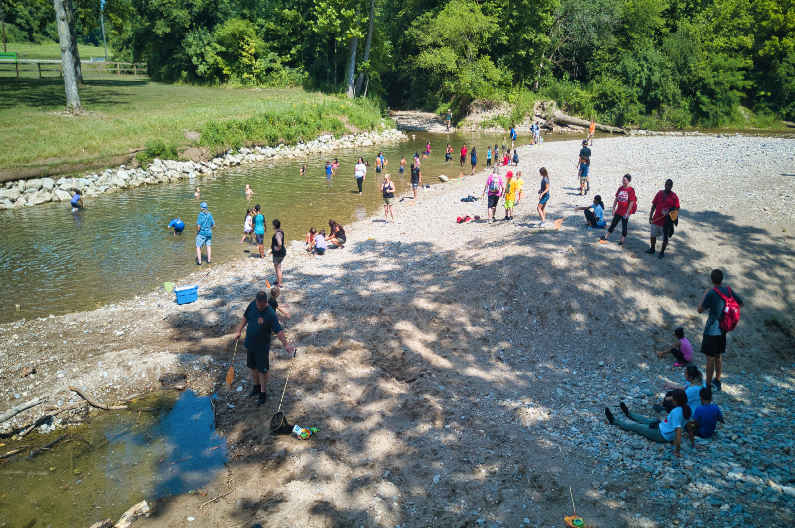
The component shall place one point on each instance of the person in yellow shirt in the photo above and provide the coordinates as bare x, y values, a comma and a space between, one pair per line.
509, 194
519, 187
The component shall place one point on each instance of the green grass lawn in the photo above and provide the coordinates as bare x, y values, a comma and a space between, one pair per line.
123, 113
52, 51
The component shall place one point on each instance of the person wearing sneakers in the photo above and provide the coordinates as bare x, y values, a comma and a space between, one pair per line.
584, 167
494, 186
624, 205
509, 195
663, 432
204, 234
261, 321
681, 350
713, 342
665, 202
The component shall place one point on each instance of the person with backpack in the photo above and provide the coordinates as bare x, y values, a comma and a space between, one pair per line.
724, 313
624, 205
664, 203
494, 186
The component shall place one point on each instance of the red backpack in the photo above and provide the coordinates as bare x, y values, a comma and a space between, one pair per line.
731, 311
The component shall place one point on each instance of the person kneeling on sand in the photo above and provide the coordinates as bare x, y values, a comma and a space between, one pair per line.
319, 246
336, 234
663, 432
705, 418
261, 321
682, 350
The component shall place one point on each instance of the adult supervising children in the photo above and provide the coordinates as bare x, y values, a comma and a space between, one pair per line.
416, 179
278, 251
261, 321
624, 205
360, 172
713, 342
204, 234
259, 230
494, 188
388, 191
665, 202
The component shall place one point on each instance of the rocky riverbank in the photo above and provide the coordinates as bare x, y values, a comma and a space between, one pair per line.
26, 193
459, 372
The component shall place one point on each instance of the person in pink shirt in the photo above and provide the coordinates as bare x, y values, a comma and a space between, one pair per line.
681, 350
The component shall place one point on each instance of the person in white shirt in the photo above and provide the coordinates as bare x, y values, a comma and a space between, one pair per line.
360, 172
663, 432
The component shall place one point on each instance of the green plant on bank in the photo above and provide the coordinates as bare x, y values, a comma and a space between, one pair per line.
157, 148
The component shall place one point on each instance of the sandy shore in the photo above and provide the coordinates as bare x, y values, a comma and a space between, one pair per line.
459, 372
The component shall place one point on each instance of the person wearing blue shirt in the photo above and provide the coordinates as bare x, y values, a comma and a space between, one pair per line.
705, 418
597, 217
329, 170
204, 234
76, 201
513, 137
177, 224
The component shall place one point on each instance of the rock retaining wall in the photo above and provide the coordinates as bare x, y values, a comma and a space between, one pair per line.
25, 193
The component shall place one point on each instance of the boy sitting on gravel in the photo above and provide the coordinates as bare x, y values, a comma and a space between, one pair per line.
681, 350
705, 418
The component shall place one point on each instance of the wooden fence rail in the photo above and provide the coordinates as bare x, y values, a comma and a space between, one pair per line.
44, 67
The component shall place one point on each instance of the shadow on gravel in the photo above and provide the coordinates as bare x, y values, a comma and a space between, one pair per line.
448, 384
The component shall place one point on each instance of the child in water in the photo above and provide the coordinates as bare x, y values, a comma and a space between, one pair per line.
310, 239
249, 192
248, 229
197, 193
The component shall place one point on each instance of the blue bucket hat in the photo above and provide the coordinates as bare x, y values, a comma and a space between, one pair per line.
203, 205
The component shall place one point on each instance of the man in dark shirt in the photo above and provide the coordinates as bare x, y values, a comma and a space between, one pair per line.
585, 154
713, 342
416, 179
261, 321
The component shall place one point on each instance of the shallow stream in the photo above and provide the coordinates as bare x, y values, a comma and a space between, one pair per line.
102, 468
53, 261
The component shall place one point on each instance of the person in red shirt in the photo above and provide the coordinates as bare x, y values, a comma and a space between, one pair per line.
662, 205
624, 205
463, 154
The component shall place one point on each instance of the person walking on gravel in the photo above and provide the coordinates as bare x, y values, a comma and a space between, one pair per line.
278, 251
259, 230
665, 202
624, 205
261, 321
543, 195
416, 180
359, 172
494, 188
584, 167
204, 234
713, 342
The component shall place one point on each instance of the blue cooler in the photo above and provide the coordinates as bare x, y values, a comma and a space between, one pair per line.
187, 294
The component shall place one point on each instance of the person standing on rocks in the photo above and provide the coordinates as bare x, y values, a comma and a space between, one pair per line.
624, 205
464, 154
494, 187
416, 180
713, 342
388, 191
584, 167
662, 205
543, 195
278, 251
204, 234
261, 321
259, 230
360, 172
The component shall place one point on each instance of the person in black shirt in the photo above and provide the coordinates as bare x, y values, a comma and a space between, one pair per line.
585, 155
261, 321
416, 179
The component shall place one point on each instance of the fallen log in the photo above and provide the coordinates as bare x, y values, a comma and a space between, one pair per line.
34, 454
560, 117
104, 523
97, 404
129, 517
30, 426
790, 124
19, 408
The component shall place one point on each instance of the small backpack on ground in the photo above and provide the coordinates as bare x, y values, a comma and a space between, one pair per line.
730, 316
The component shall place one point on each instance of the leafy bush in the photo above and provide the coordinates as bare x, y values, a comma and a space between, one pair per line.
157, 148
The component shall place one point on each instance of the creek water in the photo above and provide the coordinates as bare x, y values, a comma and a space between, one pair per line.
53, 261
102, 468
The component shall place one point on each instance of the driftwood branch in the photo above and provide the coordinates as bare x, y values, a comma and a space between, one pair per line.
560, 117
97, 404
14, 451
104, 523
790, 124
34, 454
129, 517
19, 408
29, 427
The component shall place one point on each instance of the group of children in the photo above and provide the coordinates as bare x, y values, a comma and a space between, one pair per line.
689, 407
317, 243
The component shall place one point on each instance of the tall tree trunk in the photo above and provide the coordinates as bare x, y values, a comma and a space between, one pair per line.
3, 22
67, 57
351, 64
70, 15
366, 47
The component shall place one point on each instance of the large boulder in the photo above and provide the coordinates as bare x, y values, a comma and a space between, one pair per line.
34, 184
61, 196
118, 182
443, 178
41, 197
11, 194
21, 186
48, 184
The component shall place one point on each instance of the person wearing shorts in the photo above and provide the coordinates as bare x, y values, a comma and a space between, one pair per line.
464, 154
204, 234
509, 194
261, 321
713, 342
543, 194
259, 230
662, 205
278, 251
585, 157
388, 191
495, 188
416, 179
